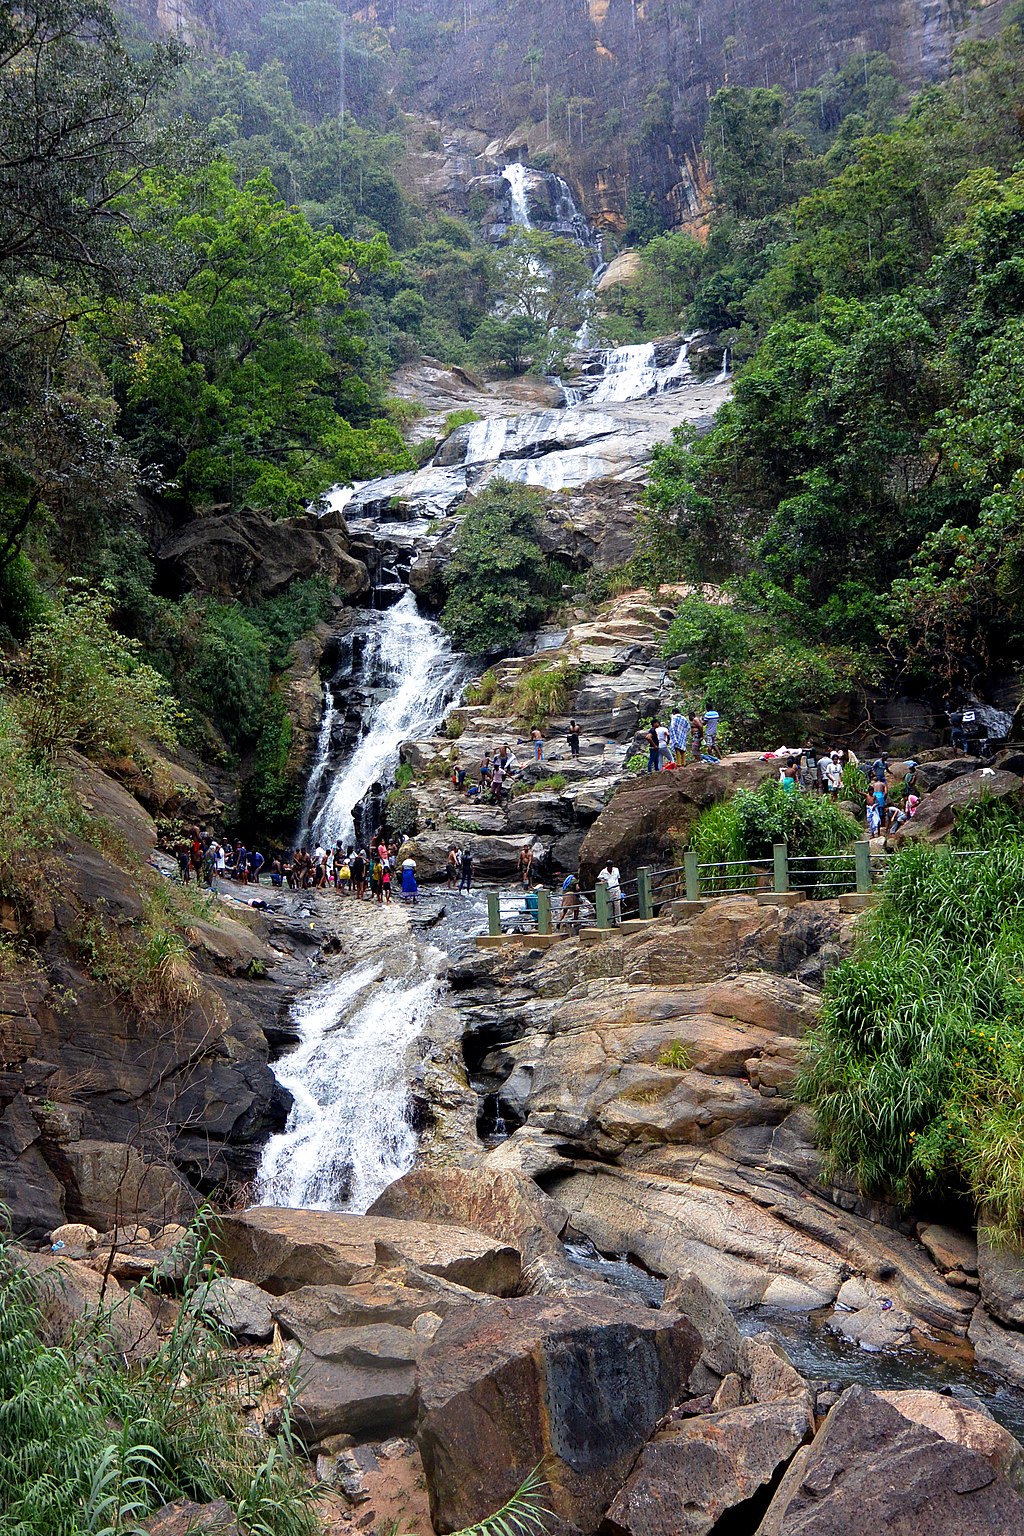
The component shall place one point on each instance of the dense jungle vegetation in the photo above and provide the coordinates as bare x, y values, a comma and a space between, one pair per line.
861, 495
207, 277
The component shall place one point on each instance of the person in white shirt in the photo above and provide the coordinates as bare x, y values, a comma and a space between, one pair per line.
609, 877
664, 755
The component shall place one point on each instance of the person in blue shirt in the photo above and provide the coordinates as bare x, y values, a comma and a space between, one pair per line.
711, 719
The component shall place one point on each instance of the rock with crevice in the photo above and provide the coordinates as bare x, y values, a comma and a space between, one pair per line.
699, 1470
871, 1469
576, 1385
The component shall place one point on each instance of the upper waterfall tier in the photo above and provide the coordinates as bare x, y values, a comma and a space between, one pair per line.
621, 403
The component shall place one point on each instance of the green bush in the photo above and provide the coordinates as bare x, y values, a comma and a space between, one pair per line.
497, 570
753, 821
83, 685
228, 676
916, 1069
401, 812
292, 613
36, 809
707, 634
543, 691
92, 1446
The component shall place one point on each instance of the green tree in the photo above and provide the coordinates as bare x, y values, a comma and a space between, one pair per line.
496, 576
545, 279
246, 384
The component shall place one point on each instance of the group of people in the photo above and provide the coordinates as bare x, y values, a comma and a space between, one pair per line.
367, 875
499, 766
696, 733
888, 803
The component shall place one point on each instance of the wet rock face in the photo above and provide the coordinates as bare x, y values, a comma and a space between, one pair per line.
579, 1387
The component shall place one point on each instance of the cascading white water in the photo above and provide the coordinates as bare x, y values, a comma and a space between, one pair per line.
515, 175
315, 783
348, 1134
631, 373
723, 376
409, 660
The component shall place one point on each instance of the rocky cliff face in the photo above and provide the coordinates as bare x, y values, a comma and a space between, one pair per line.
616, 91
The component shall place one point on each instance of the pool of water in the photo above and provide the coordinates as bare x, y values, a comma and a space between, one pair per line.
821, 1355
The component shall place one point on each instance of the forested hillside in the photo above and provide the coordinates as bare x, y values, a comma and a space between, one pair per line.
862, 492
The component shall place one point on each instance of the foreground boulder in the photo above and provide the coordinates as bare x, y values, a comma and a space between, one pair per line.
358, 1381
503, 1204
282, 1249
872, 1470
577, 1385
693, 1472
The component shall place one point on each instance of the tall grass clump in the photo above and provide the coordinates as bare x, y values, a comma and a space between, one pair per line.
916, 1069
544, 691
92, 1447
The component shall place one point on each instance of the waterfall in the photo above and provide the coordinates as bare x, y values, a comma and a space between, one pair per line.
723, 376
515, 175
348, 1134
411, 668
630, 373
321, 763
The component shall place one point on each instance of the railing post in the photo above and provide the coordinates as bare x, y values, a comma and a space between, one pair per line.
780, 856
691, 875
862, 865
543, 912
493, 913
644, 894
601, 903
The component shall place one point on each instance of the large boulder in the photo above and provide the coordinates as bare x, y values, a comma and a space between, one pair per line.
110, 1183
576, 1385
398, 1296
963, 1425
694, 1471
282, 1249
358, 1381
250, 555
997, 1348
239, 1307
72, 1295
873, 1470
645, 817
935, 815
505, 1205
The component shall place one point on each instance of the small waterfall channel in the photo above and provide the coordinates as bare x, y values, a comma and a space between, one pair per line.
349, 1132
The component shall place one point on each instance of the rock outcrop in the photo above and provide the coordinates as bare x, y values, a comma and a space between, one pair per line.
579, 1389
249, 555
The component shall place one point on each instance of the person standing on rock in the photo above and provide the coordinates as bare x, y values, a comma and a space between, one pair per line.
573, 738
678, 736
609, 878
466, 870
524, 864
711, 719
538, 744
697, 736
664, 750
409, 886
653, 748
452, 868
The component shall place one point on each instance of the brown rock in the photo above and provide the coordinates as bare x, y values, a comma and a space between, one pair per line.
949, 1248
184, 1518
358, 1381
647, 814
389, 1297
507, 1206
70, 1294
934, 816
112, 1183
871, 1470
578, 1386
963, 1425
691, 1474
283, 1249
